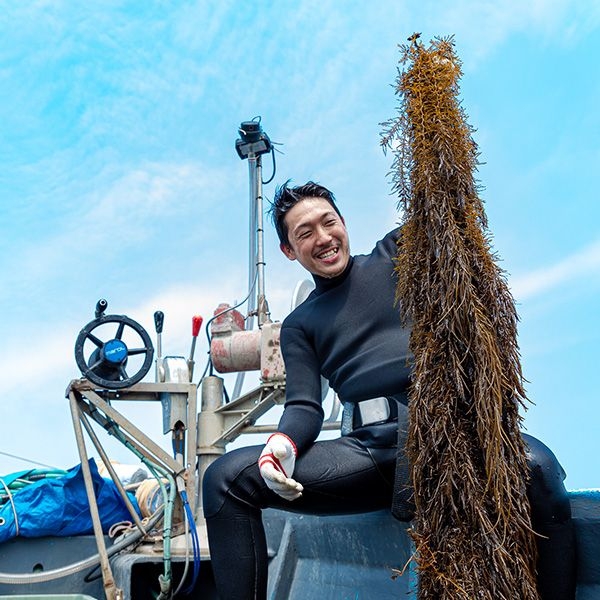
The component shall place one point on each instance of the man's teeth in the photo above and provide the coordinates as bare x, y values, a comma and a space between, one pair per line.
329, 253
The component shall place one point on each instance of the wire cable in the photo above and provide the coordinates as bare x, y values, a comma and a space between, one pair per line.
195, 542
209, 365
274, 168
33, 462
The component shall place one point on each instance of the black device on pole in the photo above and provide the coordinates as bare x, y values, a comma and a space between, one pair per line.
253, 140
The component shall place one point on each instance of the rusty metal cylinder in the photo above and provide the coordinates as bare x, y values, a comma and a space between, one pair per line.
236, 351
232, 348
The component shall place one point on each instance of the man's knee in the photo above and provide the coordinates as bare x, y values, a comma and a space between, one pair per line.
212, 486
230, 475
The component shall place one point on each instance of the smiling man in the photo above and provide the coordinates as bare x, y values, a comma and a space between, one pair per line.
318, 239
348, 330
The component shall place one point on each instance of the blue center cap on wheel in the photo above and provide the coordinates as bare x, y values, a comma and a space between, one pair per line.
115, 351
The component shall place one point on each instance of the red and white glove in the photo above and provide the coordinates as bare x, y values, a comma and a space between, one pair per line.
276, 464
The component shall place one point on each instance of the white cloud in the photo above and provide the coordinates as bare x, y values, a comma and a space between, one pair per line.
128, 208
582, 264
480, 27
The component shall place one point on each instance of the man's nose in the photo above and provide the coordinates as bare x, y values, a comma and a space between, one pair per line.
323, 236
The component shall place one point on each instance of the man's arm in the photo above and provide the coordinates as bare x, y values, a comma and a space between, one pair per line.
303, 414
302, 417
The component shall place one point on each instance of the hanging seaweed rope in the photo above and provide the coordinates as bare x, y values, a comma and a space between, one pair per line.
472, 528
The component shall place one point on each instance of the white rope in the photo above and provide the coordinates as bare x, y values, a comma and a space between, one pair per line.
10, 497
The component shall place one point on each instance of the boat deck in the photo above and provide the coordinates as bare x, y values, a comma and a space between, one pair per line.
355, 557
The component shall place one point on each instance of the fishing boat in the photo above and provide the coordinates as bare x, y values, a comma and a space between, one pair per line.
160, 549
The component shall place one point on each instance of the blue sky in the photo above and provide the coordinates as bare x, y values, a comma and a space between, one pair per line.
119, 177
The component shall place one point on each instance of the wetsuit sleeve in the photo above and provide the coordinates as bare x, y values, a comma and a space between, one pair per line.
303, 414
390, 242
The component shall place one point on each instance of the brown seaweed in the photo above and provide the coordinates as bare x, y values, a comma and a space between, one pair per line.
472, 528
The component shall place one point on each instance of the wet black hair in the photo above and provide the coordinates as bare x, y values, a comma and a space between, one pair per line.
286, 197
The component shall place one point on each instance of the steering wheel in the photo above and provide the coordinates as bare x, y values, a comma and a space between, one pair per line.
105, 363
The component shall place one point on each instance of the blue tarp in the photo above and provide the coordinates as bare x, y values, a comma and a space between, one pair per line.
59, 507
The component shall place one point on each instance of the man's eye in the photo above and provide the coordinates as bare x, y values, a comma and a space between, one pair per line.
303, 235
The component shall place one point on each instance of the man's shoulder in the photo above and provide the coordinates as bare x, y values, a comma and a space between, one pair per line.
389, 240
298, 314
385, 248
391, 237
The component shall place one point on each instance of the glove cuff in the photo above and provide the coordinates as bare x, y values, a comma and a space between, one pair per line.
289, 439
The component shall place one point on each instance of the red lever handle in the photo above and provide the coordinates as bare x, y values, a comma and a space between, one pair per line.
196, 324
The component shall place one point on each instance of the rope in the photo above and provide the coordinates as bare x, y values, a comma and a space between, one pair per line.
146, 496
12, 503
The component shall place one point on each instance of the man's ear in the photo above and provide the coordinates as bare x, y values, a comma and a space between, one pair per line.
287, 250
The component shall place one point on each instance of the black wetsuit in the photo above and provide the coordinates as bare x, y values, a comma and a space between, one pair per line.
349, 331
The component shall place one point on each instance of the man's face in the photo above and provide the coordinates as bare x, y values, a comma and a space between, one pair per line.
318, 239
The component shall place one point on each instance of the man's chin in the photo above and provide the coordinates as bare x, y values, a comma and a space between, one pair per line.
327, 270
331, 272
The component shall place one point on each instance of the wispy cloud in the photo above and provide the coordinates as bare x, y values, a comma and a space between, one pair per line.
582, 264
128, 209
480, 27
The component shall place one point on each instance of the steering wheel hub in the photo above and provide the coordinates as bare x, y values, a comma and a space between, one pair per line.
115, 351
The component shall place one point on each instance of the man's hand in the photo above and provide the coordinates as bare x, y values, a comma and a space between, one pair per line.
276, 464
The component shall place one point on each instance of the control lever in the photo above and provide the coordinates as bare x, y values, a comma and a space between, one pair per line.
159, 319
196, 324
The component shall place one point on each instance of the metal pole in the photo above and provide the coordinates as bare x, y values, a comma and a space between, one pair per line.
260, 254
253, 162
210, 427
256, 267
110, 588
256, 262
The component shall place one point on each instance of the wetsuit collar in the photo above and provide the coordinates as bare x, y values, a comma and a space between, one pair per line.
322, 284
